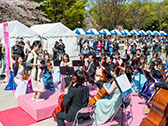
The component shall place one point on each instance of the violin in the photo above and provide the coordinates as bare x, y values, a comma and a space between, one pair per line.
49, 66
25, 76
61, 107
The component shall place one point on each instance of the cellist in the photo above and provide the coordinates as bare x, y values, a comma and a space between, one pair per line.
75, 98
107, 106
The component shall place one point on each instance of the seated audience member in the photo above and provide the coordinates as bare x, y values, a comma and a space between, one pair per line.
75, 98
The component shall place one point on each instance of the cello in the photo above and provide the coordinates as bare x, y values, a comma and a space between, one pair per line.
100, 94
159, 110
61, 107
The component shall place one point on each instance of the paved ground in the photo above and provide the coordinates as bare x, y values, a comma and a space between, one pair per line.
8, 100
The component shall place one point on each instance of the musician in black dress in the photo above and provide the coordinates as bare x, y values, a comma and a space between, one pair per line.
109, 64
75, 98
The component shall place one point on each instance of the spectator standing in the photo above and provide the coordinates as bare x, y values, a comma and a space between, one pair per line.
80, 43
99, 46
95, 45
55, 50
144, 49
106, 46
157, 47
115, 46
27, 47
102, 42
16, 48
61, 48
133, 48
22, 43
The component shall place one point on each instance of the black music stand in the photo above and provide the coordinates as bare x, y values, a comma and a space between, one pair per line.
57, 62
67, 70
140, 71
124, 85
78, 63
149, 78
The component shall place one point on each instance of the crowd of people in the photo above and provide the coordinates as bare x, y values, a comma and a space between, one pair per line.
101, 63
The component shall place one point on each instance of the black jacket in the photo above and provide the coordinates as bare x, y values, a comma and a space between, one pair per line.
61, 48
107, 70
91, 71
163, 85
18, 50
115, 47
76, 98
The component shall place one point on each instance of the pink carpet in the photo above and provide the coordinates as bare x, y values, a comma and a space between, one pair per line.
11, 117
15, 117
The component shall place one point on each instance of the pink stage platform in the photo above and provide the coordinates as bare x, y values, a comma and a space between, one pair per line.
40, 110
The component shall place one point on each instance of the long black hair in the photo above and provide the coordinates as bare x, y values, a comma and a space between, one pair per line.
36, 43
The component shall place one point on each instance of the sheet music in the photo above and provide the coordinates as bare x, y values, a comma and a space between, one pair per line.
123, 82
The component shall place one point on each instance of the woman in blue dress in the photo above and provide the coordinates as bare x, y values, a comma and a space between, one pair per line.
47, 77
108, 106
135, 78
157, 75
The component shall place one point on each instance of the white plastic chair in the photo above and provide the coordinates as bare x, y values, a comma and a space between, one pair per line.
90, 121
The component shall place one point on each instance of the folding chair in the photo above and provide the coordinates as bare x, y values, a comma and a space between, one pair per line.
91, 110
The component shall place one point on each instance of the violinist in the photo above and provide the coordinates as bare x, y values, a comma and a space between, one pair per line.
66, 61
157, 75
107, 73
75, 98
106, 107
91, 68
136, 81
154, 57
47, 77
117, 60
21, 83
135, 60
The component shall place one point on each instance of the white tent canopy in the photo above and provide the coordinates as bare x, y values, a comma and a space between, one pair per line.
17, 29
55, 31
